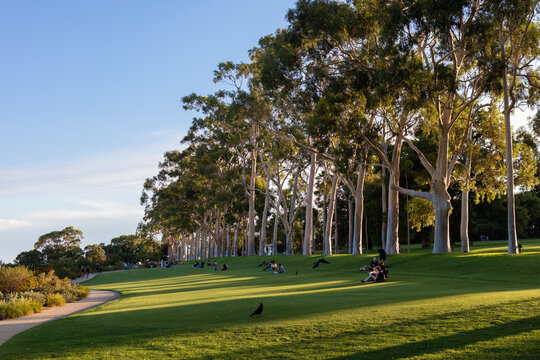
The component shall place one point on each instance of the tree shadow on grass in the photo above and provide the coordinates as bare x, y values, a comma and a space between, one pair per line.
319, 345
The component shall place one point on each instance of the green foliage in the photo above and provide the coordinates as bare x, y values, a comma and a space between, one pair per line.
54, 299
20, 306
421, 213
95, 254
31, 258
48, 282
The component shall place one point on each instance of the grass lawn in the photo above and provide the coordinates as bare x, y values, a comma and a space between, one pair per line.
480, 305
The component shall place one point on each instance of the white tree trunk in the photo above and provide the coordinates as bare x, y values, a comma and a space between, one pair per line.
251, 214
308, 235
464, 226
392, 227
274, 236
336, 239
327, 244
262, 236
351, 227
234, 249
359, 208
384, 200
291, 217
511, 212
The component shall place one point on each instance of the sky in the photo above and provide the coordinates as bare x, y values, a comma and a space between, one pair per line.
90, 99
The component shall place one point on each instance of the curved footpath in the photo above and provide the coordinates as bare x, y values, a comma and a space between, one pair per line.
11, 327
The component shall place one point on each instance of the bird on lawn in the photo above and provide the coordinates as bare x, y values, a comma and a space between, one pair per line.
258, 311
320, 261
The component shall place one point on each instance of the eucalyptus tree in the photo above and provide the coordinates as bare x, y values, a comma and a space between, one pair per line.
292, 92
518, 33
452, 42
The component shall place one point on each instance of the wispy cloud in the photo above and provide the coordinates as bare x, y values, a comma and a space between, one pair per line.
8, 224
88, 209
126, 168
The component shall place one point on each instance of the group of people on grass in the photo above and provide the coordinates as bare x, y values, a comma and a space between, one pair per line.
272, 266
200, 264
378, 271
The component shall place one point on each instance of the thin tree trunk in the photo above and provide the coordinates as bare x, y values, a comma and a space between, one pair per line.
327, 245
464, 227
351, 227
366, 234
308, 235
262, 236
384, 200
408, 223
336, 240
234, 249
251, 216
359, 207
228, 243
289, 239
511, 212
274, 236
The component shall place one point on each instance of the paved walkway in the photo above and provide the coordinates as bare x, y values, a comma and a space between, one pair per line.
11, 327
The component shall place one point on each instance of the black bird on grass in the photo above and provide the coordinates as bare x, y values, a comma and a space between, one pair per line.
320, 261
258, 311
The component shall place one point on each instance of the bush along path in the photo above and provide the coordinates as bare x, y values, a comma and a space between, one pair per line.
11, 327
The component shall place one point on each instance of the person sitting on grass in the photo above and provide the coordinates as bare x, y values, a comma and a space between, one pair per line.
379, 274
372, 265
372, 276
224, 267
195, 266
280, 269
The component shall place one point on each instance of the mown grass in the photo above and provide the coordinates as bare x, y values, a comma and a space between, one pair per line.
484, 304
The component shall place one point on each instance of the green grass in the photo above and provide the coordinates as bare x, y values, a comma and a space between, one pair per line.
484, 304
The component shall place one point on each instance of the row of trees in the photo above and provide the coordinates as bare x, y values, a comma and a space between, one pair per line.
415, 96
60, 250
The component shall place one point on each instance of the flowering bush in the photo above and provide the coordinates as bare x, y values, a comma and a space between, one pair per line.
18, 278
23, 293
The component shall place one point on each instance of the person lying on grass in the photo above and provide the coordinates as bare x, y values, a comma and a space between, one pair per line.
372, 265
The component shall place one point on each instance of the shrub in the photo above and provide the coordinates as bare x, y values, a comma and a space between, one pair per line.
55, 300
17, 307
32, 295
15, 279
48, 282
69, 294
82, 292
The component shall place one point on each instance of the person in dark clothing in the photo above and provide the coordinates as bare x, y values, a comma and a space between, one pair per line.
382, 254
224, 267
372, 265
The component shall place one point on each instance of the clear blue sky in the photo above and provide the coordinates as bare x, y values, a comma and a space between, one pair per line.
90, 99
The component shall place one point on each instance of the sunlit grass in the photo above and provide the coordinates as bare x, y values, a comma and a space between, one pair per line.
484, 304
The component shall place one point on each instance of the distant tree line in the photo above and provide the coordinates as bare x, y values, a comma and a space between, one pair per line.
60, 251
